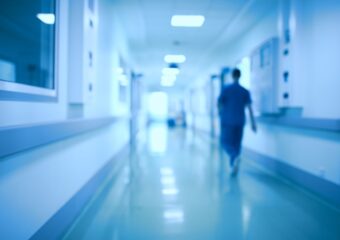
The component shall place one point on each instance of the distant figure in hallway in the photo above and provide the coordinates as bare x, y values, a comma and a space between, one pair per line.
232, 102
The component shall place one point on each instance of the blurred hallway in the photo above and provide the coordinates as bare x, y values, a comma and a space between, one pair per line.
126, 100
175, 185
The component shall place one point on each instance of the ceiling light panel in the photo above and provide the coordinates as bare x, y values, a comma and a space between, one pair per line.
171, 58
187, 20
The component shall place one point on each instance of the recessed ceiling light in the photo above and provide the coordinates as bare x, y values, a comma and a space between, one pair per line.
47, 18
187, 20
171, 58
170, 71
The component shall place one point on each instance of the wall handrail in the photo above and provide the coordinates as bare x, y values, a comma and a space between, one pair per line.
20, 138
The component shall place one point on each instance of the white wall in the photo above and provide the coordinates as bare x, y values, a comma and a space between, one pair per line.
315, 57
35, 184
314, 48
316, 40
111, 45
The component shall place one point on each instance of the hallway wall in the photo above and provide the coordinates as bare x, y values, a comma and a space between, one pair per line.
315, 87
37, 183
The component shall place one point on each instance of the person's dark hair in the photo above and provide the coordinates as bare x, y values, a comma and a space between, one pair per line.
236, 73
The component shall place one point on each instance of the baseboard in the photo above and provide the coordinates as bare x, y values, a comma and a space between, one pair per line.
58, 224
322, 188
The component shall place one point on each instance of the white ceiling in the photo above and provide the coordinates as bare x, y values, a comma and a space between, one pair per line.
151, 37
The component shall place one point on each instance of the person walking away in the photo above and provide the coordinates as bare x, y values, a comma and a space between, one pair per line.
232, 102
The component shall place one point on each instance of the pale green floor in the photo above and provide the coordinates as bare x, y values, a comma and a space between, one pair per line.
175, 186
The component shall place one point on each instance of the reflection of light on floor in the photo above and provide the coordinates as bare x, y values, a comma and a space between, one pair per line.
158, 139
165, 171
170, 191
168, 180
245, 218
173, 216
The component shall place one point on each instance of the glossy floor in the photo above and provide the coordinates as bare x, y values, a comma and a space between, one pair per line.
175, 185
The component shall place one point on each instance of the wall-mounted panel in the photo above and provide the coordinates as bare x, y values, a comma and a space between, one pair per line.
264, 75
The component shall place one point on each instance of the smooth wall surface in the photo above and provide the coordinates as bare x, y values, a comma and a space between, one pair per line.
36, 183
315, 86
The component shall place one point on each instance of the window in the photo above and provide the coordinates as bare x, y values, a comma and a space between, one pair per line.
27, 43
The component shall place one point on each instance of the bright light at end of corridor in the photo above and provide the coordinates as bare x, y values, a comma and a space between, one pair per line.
174, 58
47, 18
158, 105
187, 20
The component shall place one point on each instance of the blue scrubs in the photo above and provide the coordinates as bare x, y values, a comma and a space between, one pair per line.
232, 103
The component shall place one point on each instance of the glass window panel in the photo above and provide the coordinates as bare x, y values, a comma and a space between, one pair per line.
27, 31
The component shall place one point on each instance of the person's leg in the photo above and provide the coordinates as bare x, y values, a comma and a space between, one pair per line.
238, 136
227, 141
237, 142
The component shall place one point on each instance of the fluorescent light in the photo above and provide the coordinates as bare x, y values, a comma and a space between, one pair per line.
174, 58
47, 18
187, 20
170, 71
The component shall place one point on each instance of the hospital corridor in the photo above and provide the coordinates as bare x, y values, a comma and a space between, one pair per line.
169, 120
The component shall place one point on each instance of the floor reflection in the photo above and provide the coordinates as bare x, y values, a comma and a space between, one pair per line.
158, 139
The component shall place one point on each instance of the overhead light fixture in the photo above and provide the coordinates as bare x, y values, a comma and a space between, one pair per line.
187, 20
171, 58
170, 71
47, 18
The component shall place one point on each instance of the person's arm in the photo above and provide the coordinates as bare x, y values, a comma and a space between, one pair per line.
252, 119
